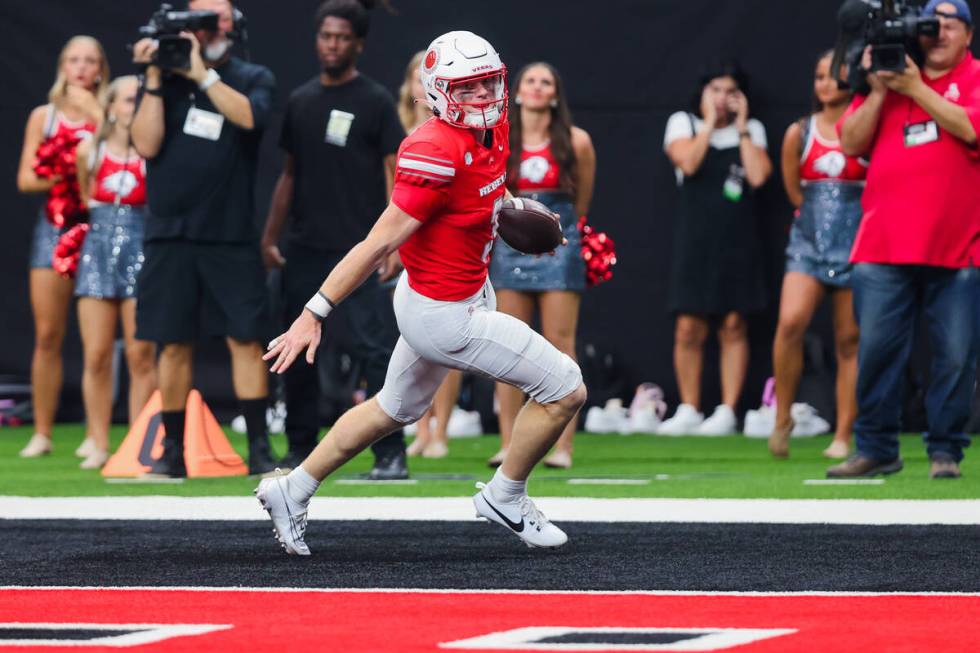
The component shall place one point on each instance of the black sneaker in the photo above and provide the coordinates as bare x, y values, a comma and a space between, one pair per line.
389, 468
169, 465
260, 460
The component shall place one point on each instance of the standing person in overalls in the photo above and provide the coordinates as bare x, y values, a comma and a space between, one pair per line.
720, 158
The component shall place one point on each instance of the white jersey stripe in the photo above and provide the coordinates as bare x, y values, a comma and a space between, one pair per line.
423, 166
414, 155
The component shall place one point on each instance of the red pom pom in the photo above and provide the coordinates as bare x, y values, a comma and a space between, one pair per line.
68, 251
57, 157
598, 252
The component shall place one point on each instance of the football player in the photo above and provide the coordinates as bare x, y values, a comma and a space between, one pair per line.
449, 186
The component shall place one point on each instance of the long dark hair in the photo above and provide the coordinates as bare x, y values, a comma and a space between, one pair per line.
816, 104
559, 132
714, 69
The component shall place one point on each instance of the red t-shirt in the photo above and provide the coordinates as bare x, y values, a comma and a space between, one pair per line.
920, 203
454, 185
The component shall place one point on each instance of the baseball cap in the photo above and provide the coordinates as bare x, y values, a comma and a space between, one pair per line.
954, 9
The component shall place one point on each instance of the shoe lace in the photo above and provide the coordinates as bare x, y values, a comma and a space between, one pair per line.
534, 516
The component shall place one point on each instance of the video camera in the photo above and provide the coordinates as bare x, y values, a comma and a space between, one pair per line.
174, 52
891, 27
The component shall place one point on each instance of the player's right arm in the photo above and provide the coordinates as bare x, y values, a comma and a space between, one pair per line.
391, 230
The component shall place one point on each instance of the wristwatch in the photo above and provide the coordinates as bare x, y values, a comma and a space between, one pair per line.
209, 79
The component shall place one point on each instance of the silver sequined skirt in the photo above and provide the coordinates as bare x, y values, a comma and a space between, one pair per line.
821, 238
511, 270
112, 255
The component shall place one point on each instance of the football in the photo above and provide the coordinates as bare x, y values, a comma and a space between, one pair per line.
528, 226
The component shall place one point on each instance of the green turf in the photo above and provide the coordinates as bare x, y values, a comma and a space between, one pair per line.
730, 467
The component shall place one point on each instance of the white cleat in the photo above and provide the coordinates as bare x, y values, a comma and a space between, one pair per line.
521, 517
288, 516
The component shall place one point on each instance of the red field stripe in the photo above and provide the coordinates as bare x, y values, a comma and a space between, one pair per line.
413, 622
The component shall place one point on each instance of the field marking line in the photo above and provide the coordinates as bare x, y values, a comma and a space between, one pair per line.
409, 590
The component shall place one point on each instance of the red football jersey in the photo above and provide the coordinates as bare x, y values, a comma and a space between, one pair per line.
454, 185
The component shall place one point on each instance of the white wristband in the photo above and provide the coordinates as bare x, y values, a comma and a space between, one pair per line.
319, 305
209, 80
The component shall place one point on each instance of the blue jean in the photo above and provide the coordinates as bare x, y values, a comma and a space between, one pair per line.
888, 300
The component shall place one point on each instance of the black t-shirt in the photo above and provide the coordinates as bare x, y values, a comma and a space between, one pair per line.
338, 137
199, 188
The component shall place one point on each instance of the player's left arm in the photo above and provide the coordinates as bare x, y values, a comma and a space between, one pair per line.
391, 230
584, 169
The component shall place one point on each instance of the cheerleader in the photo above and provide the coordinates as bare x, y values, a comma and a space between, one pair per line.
73, 108
112, 178
552, 161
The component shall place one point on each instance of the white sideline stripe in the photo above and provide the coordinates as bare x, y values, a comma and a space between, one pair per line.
770, 511
844, 481
423, 166
507, 592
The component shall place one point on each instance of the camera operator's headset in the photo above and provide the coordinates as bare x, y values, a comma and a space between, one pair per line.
239, 29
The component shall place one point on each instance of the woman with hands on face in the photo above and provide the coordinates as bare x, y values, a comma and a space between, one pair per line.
73, 108
719, 157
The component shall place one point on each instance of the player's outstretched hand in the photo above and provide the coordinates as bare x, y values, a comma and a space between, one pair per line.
303, 334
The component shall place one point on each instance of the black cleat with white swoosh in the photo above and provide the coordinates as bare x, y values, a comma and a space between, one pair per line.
521, 517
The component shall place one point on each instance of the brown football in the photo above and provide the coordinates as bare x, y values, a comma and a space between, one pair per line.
528, 226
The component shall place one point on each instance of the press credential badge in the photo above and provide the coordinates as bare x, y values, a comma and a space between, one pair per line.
203, 124
338, 127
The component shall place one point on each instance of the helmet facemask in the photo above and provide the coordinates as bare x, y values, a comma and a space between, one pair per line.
478, 101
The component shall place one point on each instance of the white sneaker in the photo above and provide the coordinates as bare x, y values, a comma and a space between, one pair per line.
611, 418
759, 423
86, 448
464, 423
808, 422
521, 517
95, 460
642, 420
721, 422
288, 515
38, 445
684, 422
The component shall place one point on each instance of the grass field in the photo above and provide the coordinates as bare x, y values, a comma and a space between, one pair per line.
729, 467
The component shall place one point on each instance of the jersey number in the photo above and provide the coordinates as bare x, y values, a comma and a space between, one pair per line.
499, 202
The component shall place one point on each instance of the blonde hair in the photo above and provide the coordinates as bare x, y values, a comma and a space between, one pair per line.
112, 92
60, 85
406, 103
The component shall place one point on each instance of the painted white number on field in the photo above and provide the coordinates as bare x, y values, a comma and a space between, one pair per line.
565, 638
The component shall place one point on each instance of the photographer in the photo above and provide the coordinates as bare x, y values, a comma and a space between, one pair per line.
199, 129
918, 243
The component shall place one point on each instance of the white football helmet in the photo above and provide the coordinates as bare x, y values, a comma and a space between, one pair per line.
464, 80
